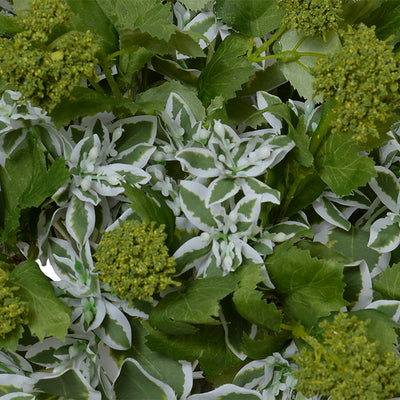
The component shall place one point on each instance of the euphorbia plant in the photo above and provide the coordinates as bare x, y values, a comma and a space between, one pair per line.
216, 186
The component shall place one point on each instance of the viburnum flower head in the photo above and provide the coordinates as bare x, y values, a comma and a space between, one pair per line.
363, 79
133, 259
312, 17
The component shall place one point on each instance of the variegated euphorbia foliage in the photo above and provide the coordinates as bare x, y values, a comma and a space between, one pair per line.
205, 125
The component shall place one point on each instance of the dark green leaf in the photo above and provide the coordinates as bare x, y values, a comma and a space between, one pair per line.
263, 345
195, 5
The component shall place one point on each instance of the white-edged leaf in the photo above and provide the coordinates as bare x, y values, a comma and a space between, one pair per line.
248, 209
366, 293
138, 155
384, 234
69, 384
193, 197
222, 189
387, 188
80, 220
18, 396
89, 195
135, 130
180, 112
191, 252
115, 330
254, 187
264, 100
228, 392
15, 383
250, 375
388, 307
198, 162
42, 353
134, 382
330, 213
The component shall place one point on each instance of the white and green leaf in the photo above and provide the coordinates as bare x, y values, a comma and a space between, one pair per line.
80, 220
387, 188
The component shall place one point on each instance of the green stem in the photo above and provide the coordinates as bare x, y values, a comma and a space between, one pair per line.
96, 86
111, 82
266, 44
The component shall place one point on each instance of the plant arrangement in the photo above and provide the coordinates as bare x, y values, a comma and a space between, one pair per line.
216, 185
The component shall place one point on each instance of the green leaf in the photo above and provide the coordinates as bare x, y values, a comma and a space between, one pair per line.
263, 345
134, 382
179, 312
388, 283
31, 188
341, 167
298, 72
86, 102
309, 288
47, 314
353, 244
154, 99
89, 16
9, 25
250, 17
69, 385
80, 219
151, 209
227, 71
207, 345
156, 364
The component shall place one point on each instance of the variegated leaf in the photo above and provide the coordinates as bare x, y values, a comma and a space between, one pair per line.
138, 155
115, 330
222, 189
198, 162
330, 213
388, 307
387, 188
193, 198
365, 294
251, 374
80, 220
384, 234
15, 383
254, 187
228, 392
69, 384
264, 100
134, 382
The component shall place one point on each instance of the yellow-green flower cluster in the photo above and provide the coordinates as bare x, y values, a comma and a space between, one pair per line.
364, 80
346, 366
133, 259
42, 67
13, 311
311, 17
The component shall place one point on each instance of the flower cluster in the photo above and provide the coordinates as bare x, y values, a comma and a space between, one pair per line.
346, 365
133, 259
45, 68
363, 79
312, 17
13, 311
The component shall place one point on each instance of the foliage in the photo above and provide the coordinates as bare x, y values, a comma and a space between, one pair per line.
216, 187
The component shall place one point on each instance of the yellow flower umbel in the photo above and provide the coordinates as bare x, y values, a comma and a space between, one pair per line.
345, 365
311, 17
133, 259
13, 311
363, 79
45, 61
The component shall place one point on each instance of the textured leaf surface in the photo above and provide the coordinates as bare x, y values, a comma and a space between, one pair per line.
341, 167
388, 283
47, 314
309, 288
251, 17
227, 71
196, 304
